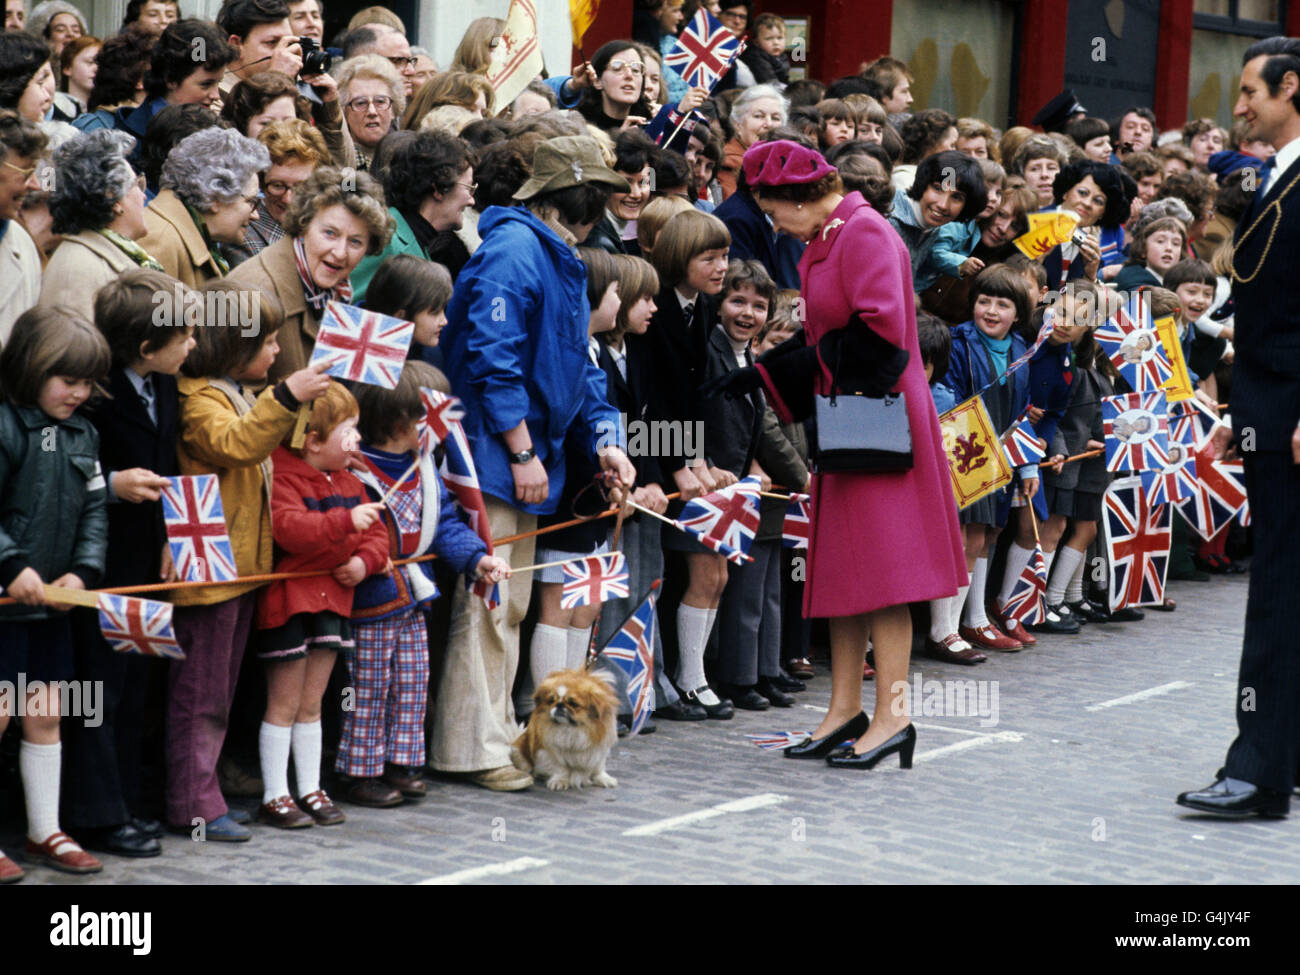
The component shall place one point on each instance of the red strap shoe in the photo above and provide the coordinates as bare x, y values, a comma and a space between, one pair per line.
1011, 626
990, 638
10, 872
61, 852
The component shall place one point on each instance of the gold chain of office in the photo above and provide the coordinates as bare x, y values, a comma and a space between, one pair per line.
1276, 204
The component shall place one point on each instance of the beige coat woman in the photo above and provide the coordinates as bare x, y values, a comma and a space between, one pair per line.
175, 241
79, 267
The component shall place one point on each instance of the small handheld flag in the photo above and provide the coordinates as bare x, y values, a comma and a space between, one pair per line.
1129, 338
594, 579
726, 520
141, 626
196, 529
1021, 445
363, 346
798, 522
703, 51
632, 648
779, 739
440, 412
1136, 426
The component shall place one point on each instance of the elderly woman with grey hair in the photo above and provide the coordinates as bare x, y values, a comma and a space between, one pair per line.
210, 193
374, 97
98, 206
757, 111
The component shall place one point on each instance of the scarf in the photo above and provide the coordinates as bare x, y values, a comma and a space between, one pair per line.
132, 250
318, 297
222, 264
999, 351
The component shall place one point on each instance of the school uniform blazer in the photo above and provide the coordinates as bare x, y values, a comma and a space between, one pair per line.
275, 272
79, 267
1266, 364
631, 397
175, 241
732, 427
677, 364
1080, 423
128, 438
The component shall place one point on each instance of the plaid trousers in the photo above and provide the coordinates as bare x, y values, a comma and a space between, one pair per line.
390, 678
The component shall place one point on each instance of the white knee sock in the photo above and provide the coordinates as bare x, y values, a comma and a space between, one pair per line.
1067, 560
955, 605
547, 652
306, 756
39, 767
1017, 559
1048, 559
1074, 588
979, 578
273, 743
941, 618
693, 625
579, 638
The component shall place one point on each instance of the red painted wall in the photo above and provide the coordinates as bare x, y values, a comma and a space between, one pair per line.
1173, 63
1042, 64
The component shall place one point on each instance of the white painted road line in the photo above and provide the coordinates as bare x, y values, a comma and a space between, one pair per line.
737, 805
490, 870
961, 746
1177, 685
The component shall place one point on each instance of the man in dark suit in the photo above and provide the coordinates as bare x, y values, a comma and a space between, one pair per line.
1260, 770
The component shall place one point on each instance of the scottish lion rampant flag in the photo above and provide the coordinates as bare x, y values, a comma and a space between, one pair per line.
1021, 445
1026, 600
594, 579
1137, 431
725, 520
363, 346
1137, 539
138, 626
440, 412
797, 527
196, 529
459, 474
1131, 342
632, 648
703, 51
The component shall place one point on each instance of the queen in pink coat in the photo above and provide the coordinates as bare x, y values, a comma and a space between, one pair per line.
879, 541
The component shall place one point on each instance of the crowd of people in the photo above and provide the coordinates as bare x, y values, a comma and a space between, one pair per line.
577, 265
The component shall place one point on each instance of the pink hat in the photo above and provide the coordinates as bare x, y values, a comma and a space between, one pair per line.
782, 163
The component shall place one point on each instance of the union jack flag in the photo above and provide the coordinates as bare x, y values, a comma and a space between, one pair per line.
725, 520
461, 477
594, 579
632, 648
138, 626
1130, 340
1137, 431
440, 412
1175, 479
196, 529
1026, 601
798, 522
1218, 494
1137, 538
363, 346
703, 51
1021, 445
779, 739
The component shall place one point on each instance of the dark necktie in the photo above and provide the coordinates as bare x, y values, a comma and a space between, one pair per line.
147, 394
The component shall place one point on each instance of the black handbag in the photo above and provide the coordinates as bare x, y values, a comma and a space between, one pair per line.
856, 433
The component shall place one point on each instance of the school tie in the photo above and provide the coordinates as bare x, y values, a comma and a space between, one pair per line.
147, 394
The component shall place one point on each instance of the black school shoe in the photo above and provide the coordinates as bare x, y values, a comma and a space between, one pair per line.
681, 710
772, 690
1086, 611
722, 711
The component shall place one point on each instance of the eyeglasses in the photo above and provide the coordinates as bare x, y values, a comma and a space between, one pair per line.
400, 62
472, 187
253, 200
362, 104
26, 173
739, 17
617, 66
278, 187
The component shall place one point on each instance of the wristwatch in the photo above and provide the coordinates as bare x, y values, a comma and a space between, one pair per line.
523, 457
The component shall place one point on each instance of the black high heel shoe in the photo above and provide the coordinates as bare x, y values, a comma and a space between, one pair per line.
854, 728
904, 743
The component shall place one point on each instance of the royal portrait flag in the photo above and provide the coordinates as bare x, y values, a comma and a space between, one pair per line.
1130, 339
1136, 428
362, 346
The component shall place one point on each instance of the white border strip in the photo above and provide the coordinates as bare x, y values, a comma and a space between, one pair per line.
490, 870
759, 801
1176, 685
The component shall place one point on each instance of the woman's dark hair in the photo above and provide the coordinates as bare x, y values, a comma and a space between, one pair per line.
251, 96
167, 128
133, 11
501, 170
923, 131
1233, 200
802, 192
584, 203
633, 151
862, 172
1000, 281
172, 59
1108, 180
485, 132
893, 143
671, 171
1283, 55
1195, 189
386, 150
120, 66
805, 91
21, 57
590, 105
947, 168
935, 340
239, 17
404, 285
1084, 130
431, 162
806, 119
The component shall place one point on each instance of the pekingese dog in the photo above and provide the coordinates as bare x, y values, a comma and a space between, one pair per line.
571, 731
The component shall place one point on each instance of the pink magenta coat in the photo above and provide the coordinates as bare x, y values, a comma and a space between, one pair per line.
877, 539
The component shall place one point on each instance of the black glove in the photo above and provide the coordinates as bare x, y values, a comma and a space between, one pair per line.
734, 385
867, 363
